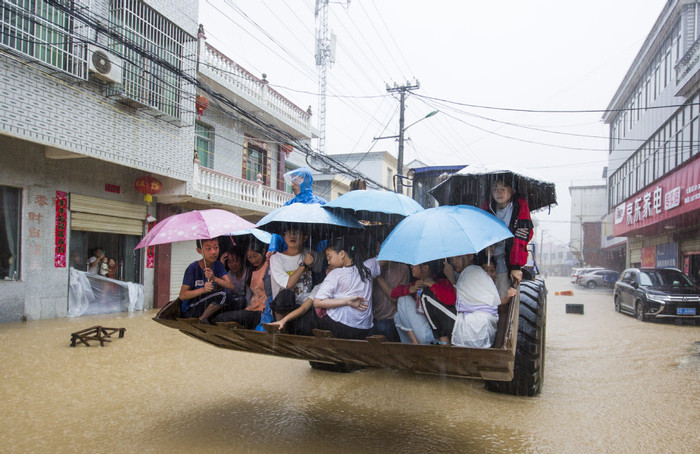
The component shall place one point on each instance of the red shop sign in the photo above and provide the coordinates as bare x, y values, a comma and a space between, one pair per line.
673, 195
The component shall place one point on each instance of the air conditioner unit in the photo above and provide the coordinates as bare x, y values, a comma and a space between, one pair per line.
105, 65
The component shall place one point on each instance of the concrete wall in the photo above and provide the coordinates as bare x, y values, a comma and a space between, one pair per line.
43, 289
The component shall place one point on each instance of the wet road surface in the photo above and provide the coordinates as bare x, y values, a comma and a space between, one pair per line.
612, 384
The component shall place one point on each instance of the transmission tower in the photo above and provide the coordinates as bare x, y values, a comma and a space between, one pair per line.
325, 57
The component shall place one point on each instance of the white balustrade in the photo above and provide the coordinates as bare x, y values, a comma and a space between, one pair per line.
237, 78
237, 191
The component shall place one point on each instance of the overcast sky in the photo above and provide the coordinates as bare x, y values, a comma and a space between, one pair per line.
473, 59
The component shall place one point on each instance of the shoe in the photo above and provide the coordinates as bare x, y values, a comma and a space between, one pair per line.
204, 321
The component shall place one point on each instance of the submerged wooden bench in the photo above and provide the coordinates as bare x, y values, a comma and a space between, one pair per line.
98, 333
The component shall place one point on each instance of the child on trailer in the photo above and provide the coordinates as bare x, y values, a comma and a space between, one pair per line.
344, 300
290, 274
202, 292
412, 321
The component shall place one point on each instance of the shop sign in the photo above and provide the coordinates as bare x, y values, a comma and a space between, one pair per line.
667, 255
59, 259
671, 196
649, 257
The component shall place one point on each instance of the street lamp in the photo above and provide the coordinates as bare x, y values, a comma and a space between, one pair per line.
402, 129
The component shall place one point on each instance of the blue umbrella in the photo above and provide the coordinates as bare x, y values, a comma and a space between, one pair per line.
377, 206
309, 218
442, 232
261, 235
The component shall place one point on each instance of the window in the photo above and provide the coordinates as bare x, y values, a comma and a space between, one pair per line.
388, 178
154, 82
10, 216
44, 32
287, 187
204, 144
255, 164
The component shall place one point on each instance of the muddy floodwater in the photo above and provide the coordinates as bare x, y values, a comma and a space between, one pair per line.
612, 384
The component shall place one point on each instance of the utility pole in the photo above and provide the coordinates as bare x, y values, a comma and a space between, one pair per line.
402, 90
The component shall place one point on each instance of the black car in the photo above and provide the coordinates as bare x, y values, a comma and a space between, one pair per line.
650, 293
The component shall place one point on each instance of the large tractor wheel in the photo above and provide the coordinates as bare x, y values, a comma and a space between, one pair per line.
529, 354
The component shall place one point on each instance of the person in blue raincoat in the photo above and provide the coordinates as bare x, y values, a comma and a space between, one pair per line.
301, 181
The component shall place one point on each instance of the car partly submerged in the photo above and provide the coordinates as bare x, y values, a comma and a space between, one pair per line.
657, 293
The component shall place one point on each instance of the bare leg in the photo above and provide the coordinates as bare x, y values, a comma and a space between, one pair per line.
209, 311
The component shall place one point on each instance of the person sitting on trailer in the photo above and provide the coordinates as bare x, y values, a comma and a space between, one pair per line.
204, 283
384, 307
344, 300
290, 274
477, 305
249, 316
300, 321
411, 322
486, 261
238, 274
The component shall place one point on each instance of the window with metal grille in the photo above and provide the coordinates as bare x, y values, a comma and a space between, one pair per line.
204, 144
158, 55
41, 31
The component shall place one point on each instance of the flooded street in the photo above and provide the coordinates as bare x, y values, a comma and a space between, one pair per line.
612, 384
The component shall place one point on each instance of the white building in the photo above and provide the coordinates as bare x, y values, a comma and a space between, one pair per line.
654, 192
96, 96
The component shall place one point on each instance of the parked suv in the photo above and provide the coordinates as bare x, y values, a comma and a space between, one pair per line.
651, 293
600, 278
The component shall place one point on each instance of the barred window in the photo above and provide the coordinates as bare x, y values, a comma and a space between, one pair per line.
44, 32
158, 54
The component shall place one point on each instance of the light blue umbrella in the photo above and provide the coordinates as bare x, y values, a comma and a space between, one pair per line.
442, 232
378, 206
261, 235
311, 219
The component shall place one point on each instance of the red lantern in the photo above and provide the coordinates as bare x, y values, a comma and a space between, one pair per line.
148, 186
202, 104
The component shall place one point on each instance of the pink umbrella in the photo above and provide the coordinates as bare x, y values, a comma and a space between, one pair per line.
194, 225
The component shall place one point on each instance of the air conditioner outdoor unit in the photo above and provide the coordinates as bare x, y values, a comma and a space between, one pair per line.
105, 65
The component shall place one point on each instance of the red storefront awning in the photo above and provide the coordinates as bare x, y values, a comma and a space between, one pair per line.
673, 196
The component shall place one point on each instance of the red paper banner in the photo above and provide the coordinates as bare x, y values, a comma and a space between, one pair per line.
150, 250
61, 225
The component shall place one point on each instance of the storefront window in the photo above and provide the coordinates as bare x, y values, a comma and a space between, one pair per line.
114, 246
10, 226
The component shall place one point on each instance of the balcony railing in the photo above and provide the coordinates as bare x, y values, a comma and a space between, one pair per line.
688, 61
237, 78
237, 191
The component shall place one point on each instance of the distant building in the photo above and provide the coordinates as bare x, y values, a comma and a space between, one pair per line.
653, 185
588, 206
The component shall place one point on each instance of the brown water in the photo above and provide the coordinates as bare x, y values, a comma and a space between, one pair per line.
613, 384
